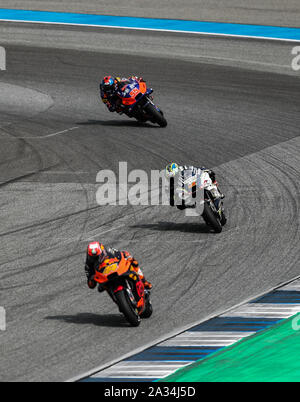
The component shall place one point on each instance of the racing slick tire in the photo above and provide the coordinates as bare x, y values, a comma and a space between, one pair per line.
223, 220
156, 116
211, 219
128, 310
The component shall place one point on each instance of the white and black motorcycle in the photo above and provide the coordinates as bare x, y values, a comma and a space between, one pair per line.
188, 190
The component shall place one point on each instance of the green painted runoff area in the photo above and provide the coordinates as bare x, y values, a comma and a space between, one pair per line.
272, 355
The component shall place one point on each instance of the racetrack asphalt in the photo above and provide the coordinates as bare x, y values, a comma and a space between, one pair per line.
55, 137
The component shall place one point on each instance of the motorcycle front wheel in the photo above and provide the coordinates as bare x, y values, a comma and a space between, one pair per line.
155, 115
129, 311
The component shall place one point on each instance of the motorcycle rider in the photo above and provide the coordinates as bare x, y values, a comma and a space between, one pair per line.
109, 88
97, 253
173, 169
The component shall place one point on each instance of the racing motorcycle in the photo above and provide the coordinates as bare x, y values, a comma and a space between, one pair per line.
124, 286
188, 190
137, 102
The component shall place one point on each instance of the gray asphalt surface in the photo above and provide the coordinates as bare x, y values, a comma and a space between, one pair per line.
258, 55
244, 123
266, 12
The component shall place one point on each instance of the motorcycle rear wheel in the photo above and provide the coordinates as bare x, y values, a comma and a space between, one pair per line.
128, 310
211, 219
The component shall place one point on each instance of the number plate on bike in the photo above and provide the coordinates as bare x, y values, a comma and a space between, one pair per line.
134, 92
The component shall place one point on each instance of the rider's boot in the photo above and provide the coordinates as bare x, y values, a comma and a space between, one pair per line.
91, 283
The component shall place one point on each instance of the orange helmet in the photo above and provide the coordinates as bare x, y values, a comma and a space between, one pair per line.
95, 249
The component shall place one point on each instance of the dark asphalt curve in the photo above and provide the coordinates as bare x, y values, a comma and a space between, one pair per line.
55, 136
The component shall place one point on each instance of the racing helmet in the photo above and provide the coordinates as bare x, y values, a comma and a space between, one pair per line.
171, 170
96, 250
108, 85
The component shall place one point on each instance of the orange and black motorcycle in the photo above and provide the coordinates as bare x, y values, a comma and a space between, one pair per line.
136, 102
125, 287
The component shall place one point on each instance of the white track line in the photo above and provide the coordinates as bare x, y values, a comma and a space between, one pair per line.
141, 369
154, 30
49, 135
206, 338
265, 310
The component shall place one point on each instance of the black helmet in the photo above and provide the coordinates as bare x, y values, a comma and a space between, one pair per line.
108, 85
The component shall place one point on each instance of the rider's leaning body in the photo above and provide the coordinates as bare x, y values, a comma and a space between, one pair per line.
208, 176
98, 256
109, 88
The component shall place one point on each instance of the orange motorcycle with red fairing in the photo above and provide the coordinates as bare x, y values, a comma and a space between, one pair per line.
125, 287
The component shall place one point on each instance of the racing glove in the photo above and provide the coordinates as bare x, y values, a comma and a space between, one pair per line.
90, 277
